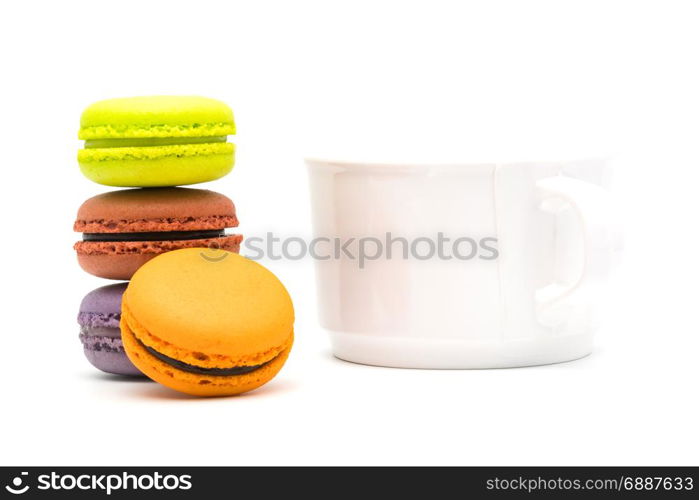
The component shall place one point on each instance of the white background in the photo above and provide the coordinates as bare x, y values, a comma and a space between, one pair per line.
300, 75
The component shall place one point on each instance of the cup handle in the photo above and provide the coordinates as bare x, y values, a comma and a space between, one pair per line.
595, 211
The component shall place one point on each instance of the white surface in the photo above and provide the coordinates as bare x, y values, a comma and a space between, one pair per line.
296, 72
532, 304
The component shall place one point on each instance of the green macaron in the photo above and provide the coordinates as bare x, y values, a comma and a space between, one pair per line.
156, 141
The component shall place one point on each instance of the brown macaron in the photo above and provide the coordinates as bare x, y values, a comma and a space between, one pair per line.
122, 230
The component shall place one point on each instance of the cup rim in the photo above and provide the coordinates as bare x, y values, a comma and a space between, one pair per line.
329, 162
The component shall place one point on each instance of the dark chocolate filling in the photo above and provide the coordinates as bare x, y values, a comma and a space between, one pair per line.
155, 236
200, 370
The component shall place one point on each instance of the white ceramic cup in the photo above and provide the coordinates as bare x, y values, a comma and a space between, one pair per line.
526, 293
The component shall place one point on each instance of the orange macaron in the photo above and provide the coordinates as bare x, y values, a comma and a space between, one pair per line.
207, 322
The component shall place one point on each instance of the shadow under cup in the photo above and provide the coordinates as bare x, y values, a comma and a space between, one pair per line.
464, 265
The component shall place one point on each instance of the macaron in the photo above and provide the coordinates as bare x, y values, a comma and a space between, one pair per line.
156, 141
100, 312
124, 229
209, 323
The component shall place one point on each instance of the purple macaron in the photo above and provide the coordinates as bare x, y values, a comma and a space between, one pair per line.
100, 312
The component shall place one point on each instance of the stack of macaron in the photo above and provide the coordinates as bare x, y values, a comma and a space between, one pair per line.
171, 334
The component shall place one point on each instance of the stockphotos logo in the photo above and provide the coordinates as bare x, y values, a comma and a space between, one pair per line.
103, 483
17, 486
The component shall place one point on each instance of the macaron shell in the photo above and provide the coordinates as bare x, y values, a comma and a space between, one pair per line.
155, 209
194, 384
121, 259
98, 317
156, 116
107, 354
102, 307
231, 309
157, 166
